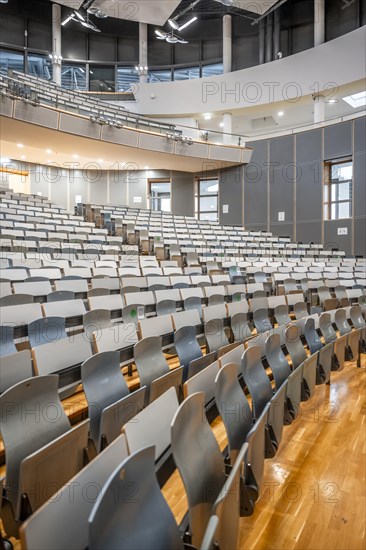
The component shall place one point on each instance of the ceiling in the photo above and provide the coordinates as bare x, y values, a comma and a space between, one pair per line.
42, 145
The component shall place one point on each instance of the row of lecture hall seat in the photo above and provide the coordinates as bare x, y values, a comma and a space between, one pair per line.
38, 91
68, 336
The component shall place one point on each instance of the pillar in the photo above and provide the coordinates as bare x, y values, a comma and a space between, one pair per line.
319, 108
269, 37
319, 22
227, 127
262, 38
227, 43
143, 49
56, 43
276, 34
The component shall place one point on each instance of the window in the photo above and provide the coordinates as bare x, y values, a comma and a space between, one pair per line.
125, 77
101, 79
40, 66
73, 77
206, 200
338, 190
187, 74
11, 60
160, 195
160, 76
213, 69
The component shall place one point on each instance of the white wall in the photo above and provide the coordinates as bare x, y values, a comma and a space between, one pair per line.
335, 63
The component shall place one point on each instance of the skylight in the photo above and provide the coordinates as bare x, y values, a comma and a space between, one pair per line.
356, 100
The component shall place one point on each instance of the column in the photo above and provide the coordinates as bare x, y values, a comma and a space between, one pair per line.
319, 108
276, 35
227, 43
269, 37
227, 128
56, 44
319, 22
143, 49
262, 38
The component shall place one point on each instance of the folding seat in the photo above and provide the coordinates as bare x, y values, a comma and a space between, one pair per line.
46, 330
113, 302
16, 299
354, 336
36, 289
83, 271
240, 326
326, 300
359, 323
312, 338
152, 366
118, 523
261, 320
227, 393
214, 330
201, 280
329, 335
180, 281
187, 347
156, 326
17, 315
220, 279
214, 312
116, 336
60, 295
96, 320
300, 310
277, 360
76, 286
64, 308
110, 283
189, 317
282, 315
151, 426
353, 294
105, 388
255, 287
237, 292
15, 366
144, 298
49, 273
41, 455
294, 298
192, 259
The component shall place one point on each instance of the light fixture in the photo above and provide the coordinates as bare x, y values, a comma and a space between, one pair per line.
207, 116
141, 70
75, 156
23, 157
56, 59
146, 167
332, 101
174, 24
100, 160
79, 18
221, 124
185, 25
280, 113
20, 145
356, 100
171, 38
94, 10
48, 151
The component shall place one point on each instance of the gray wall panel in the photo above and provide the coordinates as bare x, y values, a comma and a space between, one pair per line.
359, 184
309, 192
333, 240
338, 141
58, 184
231, 194
255, 197
137, 187
281, 151
99, 187
360, 237
117, 188
282, 199
360, 135
309, 232
309, 146
182, 194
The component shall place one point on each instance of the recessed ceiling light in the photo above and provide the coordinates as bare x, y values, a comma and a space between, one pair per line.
23, 157
20, 145
356, 100
75, 156
280, 113
332, 101
100, 160
48, 151
221, 124
146, 167
207, 116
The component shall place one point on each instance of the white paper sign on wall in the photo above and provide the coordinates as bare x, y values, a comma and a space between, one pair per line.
137, 199
77, 199
281, 216
225, 208
342, 230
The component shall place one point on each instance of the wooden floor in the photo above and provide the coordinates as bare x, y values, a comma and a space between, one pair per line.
314, 494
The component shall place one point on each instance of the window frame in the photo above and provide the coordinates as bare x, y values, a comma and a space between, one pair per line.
199, 195
328, 186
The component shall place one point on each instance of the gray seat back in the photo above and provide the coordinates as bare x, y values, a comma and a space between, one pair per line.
294, 345
165, 307
103, 384
46, 330
23, 434
143, 520
7, 340
151, 426
187, 347
45, 529
256, 454
356, 317
256, 380
277, 360
261, 320
150, 360
282, 315
16, 299
233, 407
193, 302
59, 295
300, 310
240, 327
215, 334
341, 322
14, 368
311, 336
326, 328
96, 320
201, 466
